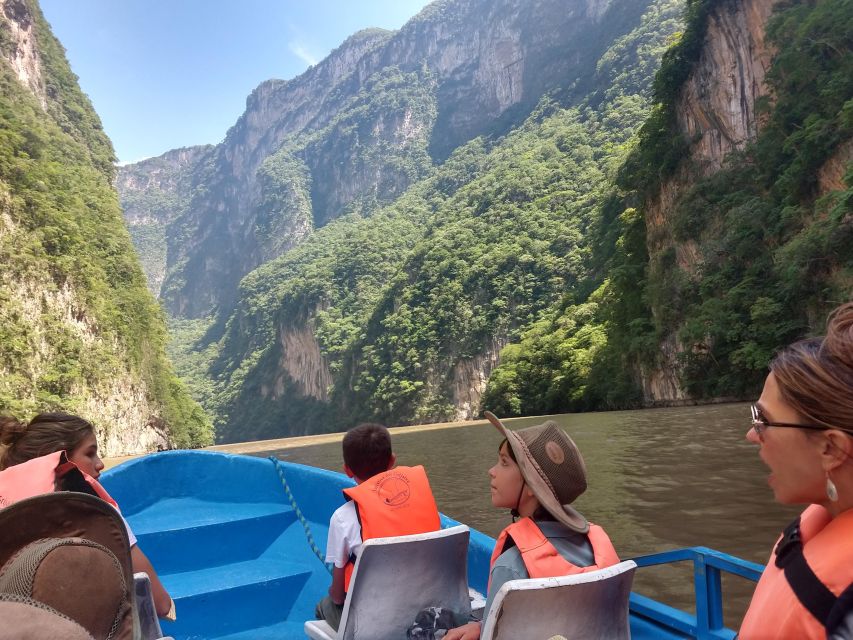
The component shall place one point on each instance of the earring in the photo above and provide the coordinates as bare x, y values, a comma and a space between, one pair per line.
831, 491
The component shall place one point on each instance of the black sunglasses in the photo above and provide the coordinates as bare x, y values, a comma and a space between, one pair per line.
760, 423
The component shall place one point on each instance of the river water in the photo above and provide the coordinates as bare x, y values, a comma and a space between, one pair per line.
658, 479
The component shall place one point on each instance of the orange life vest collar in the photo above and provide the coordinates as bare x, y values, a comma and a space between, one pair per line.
827, 548
397, 502
42, 475
541, 558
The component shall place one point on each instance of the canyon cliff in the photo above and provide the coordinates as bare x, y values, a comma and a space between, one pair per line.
357, 129
527, 207
720, 111
79, 332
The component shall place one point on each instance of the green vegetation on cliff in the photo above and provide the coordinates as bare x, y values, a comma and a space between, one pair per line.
773, 258
380, 314
74, 310
532, 249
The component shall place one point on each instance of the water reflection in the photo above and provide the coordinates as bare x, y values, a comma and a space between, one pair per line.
658, 479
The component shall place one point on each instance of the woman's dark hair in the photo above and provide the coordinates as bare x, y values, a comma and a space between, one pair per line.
815, 375
44, 434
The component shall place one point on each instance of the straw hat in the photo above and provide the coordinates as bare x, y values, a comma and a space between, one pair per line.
552, 466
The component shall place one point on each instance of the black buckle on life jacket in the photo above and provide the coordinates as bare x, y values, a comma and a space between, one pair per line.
789, 544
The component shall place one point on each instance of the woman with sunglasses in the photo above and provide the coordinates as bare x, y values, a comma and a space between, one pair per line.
803, 426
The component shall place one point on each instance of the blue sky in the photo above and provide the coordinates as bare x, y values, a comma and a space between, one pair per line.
164, 74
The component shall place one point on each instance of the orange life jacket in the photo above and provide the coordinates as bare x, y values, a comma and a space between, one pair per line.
827, 548
43, 475
541, 558
398, 502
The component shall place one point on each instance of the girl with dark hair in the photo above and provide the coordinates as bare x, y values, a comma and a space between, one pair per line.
803, 426
49, 433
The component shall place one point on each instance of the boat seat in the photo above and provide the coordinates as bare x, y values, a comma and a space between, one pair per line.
585, 605
149, 623
395, 578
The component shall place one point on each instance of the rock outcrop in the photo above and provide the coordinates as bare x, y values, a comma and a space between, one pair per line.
716, 113
78, 330
20, 48
463, 68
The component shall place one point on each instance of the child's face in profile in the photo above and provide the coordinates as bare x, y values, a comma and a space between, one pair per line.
85, 456
505, 481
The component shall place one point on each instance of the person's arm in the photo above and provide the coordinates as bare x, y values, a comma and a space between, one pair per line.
470, 631
336, 591
162, 599
344, 534
507, 567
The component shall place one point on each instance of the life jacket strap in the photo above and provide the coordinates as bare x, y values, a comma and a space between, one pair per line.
810, 591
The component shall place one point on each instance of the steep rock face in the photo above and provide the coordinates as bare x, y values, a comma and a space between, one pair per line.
303, 361
78, 330
831, 175
470, 376
216, 242
717, 105
716, 108
716, 112
119, 406
484, 64
19, 47
155, 192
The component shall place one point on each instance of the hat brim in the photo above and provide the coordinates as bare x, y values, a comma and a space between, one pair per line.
535, 479
64, 514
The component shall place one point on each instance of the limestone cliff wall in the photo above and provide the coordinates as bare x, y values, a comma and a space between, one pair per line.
119, 403
154, 193
488, 60
470, 377
303, 362
716, 112
66, 343
21, 48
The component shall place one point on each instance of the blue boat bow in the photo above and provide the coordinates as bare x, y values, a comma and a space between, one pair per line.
230, 548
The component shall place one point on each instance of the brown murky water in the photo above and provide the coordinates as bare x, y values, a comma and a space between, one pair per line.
658, 479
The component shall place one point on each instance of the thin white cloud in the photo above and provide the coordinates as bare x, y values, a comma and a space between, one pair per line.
302, 53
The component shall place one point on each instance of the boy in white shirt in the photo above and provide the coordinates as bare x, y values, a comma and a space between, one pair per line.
387, 501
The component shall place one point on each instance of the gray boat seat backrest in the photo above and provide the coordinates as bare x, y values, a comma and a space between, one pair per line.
585, 605
395, 578
149, 623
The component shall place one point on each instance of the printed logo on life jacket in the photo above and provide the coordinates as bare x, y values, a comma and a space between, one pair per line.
394, 489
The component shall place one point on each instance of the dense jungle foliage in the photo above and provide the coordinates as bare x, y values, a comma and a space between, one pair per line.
773, 257
62, 238
402, 297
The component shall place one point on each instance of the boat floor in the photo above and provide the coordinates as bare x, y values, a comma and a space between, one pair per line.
248, 561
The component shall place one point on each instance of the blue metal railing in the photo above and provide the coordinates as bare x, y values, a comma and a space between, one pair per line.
707, 624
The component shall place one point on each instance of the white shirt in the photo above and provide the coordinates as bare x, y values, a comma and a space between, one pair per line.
130, 537
344, 535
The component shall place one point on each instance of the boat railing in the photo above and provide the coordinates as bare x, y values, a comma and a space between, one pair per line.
708, 566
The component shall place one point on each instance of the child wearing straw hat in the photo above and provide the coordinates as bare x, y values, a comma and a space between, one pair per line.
539, 473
